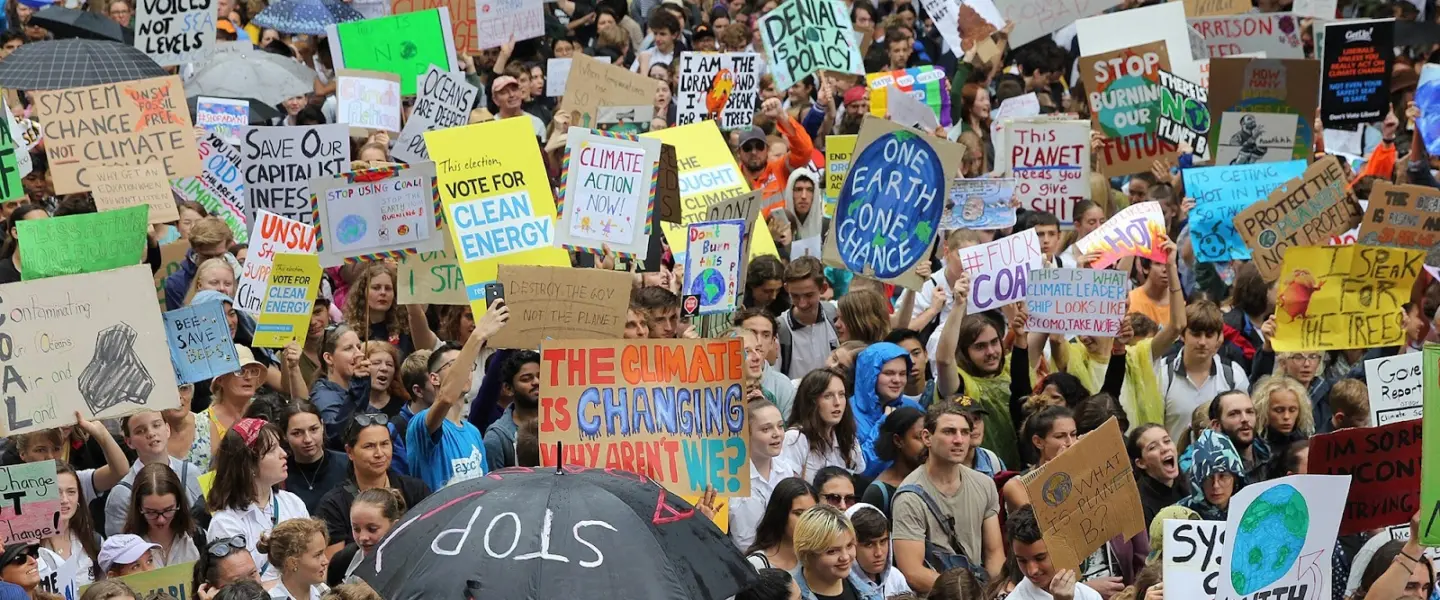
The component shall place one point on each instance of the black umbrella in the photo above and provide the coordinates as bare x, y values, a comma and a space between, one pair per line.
546, 535
260, 112
61, 64
70, 23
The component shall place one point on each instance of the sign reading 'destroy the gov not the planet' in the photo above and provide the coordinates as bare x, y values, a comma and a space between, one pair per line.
802, 37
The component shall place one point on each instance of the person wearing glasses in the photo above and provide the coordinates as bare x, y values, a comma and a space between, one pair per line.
148, 434
230, 396
367, 444
224, 562
160, 514
345, 388
245, 498
836, 487
20, 565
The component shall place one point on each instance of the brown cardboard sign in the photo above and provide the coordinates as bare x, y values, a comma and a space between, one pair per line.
561, 303
593, 83
1259, 85
1124, 97
1403, 216
171, 255
133, 185
1305, 211
668, 186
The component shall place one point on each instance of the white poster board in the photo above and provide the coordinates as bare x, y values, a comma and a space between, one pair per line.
607, 193
1275, 34
1396, 390
383, 213
1280, 535
998, 270
175, 33
723, 87
1193, 551
1128, 28
279, 163
443, 101
272, 234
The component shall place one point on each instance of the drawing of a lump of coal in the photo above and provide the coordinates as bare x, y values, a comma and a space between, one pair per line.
115, 373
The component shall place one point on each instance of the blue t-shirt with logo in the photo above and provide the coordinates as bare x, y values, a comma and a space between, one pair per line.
455, 452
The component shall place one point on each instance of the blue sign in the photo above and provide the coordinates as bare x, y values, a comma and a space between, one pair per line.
980, 204
1220, 193
200, 344
889, 208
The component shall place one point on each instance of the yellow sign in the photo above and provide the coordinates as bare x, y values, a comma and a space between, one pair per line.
289, 295
497, 200
1343, 297
838, 149
708, 174
174, 580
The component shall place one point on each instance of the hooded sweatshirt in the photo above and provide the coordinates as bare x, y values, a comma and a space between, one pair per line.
892, 583
811, 225
1214, 454
866, 403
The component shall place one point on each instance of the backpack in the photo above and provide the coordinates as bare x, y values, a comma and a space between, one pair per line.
1227, 371
827, 315
939, 558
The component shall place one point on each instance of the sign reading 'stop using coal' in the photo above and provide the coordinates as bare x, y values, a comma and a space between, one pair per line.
802, 37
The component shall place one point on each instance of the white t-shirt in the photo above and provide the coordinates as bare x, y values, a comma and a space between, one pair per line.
796, 456
745, 513
255, 521
1028, 591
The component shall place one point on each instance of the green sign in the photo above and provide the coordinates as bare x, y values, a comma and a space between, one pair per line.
405, 44
1430, 436
87, 243
10, 187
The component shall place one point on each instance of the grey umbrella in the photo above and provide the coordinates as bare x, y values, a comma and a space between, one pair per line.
61, 64
240, 72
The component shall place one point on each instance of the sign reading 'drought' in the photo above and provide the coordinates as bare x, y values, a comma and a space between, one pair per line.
175, 33
279, 163
289, 295
1403, 216
724, 87
133, 185
671, 410
1125, 106
607, 193
31, 511
1266, 86
111, 362
220, 187
980, 204
273, 235
1342, 297
713, 267
998, 270
1086, 496
406, 43
560, 303
1280, 537
1184, 114
1076, 301
1275, 34
1051, 162
802, 37
1136, 231
1193, 550
444, 101
126, 123
888, 213
200, 343
1357, 61
1303, 212
1222, 192
1395, 387
431, 277
1384, 468
376, 213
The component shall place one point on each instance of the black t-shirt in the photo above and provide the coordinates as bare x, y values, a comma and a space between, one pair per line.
847, 593
334, 507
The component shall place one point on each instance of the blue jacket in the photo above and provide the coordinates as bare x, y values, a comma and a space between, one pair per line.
336, 405
866, 590
866, 405
179, 282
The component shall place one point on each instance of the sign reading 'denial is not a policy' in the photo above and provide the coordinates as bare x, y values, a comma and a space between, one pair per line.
802, 37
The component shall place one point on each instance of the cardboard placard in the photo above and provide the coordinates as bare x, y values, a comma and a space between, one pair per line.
1035, 19
279, 163
497, 21
1264, 85
724, 87
1341, 297
607, 193
1403, 216
714, 267
561, 303
273, 234
592, 84
375, 214
1018, 107
925, 84
175, 33
1303, 212
1430, 463
113, 358
1193, 551
1384, 465
444, 101
707, 177
1275, 34
171, 255
1358, 57
31, 511
557, 73
1184, 114
668, 185
1222, 192
803, 37
200, 343
126, 123
431, 277
1051, 162
1396, 388
223, 117
1137, 26
83, 243
882, 230
133, 185
1085, 496
1135, 231
998, 270
700, 444
980, 204
220, 188
1124, 88
1076, 301
368, 101
1280, 537
1216, 8
289, 297
406, 43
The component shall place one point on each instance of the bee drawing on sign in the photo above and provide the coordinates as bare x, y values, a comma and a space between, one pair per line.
115, 373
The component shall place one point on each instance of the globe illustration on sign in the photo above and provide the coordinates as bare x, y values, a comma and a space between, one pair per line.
885, 227
1269, 540
710, 285
350, 229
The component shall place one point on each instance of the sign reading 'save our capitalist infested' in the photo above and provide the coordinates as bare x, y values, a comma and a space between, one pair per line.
671, 410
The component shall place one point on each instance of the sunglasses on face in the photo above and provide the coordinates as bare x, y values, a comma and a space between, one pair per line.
752, 147
843, 500
222, 547
25, 555
368, 419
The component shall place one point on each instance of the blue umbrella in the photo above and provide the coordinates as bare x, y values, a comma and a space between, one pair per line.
306, 16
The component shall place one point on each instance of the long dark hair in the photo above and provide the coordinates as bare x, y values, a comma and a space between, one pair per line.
237, 468
80, 524
12, 243
771, 530
159, 480
805, 415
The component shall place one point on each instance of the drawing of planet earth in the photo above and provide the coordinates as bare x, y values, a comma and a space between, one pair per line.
1270, 538
350, 229
710, 286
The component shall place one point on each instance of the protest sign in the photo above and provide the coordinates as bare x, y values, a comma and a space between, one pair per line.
497, 21
497, 200
1019, 107
708, 176
431, 277
998, 270
1324, 10
838, 150
1215, 8
557, 73
1138, 26
607, 192
593, 83
678, 408
1076, 301
1403, 216
1184, 115
1136, 231
1304, 212
903, 109
200, 342
1430, 464
1275, 34
133, 185
1384, 467
11, 187
289, 295
926, 84
561, 303
1193, 550
1342, 297
1266, 86
223, 117
1124, 87
20, 140
1085, 496
803, 37
1280, 537
1051, 162
444, 101
273, 234
279, 163
1222, 192
1395, 388
174, 580
175, 33
171, 256
368, 101
1247, 138
125, 123
31, 511
1427, 99
220, 187
1357, 59
83, 243
92, 343
376, 214
1035, 19
882, 228
724, 87
980, 204
406, 43
713, 267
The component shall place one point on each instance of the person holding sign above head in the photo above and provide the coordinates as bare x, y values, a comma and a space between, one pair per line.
10, 254
1042, 581
60, 446
148, 434
245, 498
